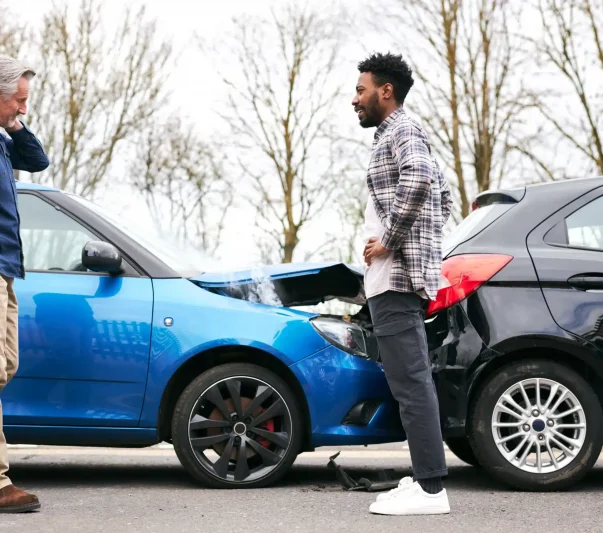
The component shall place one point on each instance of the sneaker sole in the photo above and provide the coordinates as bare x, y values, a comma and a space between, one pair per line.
21, 508
410, 512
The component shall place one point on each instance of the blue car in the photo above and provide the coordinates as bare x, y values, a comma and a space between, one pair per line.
122, 344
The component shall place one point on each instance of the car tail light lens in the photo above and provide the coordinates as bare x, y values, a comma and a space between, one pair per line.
464, 274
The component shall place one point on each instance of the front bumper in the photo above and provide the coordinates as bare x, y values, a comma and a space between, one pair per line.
349, 400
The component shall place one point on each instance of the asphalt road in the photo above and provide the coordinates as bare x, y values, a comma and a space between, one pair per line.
118, 491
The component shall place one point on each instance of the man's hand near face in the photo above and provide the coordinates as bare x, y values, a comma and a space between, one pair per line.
373, 249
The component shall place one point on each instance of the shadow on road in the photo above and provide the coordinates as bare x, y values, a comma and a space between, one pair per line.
102, 475
302, 477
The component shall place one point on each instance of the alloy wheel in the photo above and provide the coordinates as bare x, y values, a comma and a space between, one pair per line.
240, 429
539, 426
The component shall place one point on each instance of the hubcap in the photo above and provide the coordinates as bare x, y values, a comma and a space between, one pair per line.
539, 425
240, 451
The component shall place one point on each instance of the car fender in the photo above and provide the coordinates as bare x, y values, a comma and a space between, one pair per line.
189, 321
574, 351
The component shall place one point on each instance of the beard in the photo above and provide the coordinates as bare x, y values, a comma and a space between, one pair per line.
7, 122
372, 115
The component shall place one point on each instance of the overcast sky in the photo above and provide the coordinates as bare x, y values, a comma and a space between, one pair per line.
196, 90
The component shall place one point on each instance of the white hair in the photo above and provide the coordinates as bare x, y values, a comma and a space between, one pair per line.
11, 71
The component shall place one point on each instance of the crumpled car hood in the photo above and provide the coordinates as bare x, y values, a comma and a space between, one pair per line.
295, 284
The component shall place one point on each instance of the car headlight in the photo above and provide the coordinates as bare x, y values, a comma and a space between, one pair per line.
346, 336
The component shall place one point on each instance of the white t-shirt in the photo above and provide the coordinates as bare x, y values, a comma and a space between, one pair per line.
376, 276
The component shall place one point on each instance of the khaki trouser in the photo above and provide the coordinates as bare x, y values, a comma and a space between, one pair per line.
9, 357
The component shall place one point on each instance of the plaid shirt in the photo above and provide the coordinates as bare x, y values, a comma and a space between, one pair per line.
413, 201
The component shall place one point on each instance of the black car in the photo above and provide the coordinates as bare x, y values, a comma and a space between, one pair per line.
516, 334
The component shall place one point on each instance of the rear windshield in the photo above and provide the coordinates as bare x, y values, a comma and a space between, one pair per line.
473, 224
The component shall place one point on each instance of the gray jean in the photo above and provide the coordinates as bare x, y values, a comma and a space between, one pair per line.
398, 320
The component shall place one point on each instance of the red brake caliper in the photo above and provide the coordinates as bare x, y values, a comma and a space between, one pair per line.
217, 415
268, 426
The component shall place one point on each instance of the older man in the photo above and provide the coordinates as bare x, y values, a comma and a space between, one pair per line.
22, 151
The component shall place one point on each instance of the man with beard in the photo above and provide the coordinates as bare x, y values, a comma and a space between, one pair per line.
20, 150
409, 203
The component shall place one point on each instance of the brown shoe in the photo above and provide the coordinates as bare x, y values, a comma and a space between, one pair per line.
14, 500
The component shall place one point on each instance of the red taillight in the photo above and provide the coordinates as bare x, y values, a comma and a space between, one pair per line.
463, 275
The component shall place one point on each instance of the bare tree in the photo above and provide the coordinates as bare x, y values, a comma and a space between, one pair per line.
350, 205
352, 200
279, 116
12, 34
183, 182
572, 50
96, 90
469, 96
8, 42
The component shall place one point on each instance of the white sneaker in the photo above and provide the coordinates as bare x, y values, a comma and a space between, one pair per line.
405, 483
412, 500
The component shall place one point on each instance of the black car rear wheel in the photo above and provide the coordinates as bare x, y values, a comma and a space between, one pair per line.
536, 425
237, 426
461, 447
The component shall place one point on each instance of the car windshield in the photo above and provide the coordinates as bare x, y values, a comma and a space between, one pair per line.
184, 258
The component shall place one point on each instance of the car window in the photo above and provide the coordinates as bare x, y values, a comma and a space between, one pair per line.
473, 224
51, 239
585, 226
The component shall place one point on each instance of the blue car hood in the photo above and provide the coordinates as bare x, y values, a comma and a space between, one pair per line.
295, 284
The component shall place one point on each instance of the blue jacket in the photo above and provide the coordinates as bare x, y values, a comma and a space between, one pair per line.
20, 151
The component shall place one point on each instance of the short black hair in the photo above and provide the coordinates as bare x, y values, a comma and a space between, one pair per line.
389, 68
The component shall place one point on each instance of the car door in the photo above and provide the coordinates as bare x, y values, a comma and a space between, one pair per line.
84, 337
567, 251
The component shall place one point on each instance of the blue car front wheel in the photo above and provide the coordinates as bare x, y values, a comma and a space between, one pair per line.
237, 426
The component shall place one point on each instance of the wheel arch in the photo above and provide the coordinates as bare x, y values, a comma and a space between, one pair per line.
579, 360
206, 360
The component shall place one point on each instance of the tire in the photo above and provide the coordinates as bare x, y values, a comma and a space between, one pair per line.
265, 427
460, 447
562, 463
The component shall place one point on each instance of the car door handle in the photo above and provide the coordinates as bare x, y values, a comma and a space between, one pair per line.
587, 282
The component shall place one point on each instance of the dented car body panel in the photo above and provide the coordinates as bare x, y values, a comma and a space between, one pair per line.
295, 284
105, 357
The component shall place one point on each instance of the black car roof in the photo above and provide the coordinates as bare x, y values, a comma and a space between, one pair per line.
574, 186
533, 204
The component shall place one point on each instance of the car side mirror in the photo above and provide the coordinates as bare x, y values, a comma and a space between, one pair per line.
100, 256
